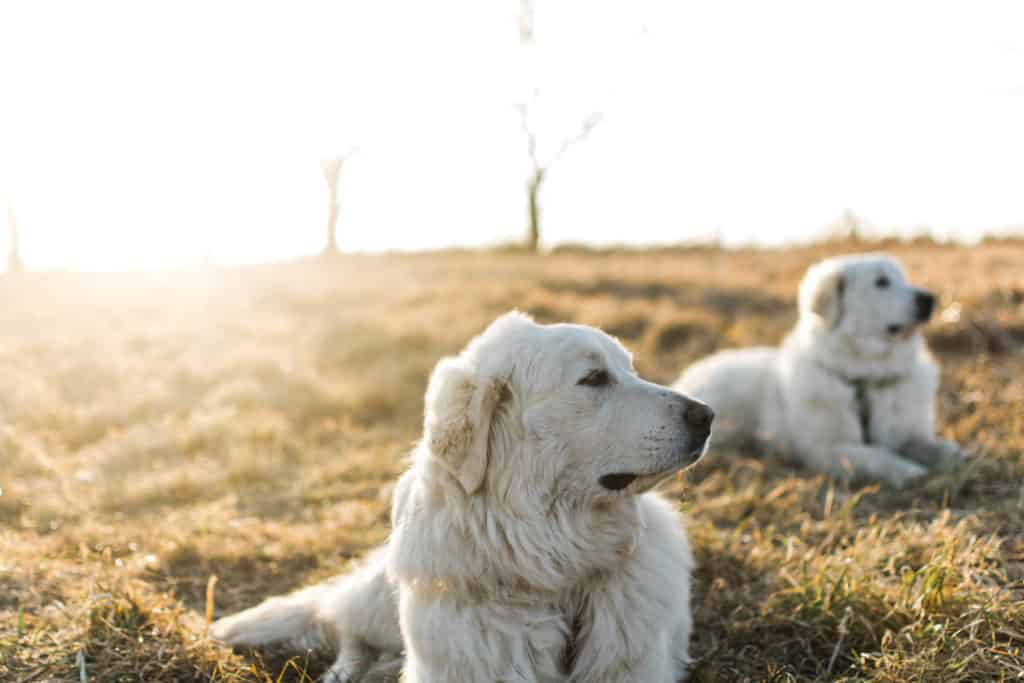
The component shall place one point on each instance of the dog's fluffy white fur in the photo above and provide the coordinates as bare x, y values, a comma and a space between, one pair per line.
526, 544
851, 391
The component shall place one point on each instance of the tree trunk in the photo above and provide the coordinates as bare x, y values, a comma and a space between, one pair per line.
332, 174
331, 248
533, 195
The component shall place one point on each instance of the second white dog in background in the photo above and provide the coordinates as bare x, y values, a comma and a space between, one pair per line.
851, 391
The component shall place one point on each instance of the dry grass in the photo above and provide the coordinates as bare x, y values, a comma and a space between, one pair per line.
159, 429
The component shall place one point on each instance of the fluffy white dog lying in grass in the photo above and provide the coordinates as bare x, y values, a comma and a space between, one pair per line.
851, 391
527, 546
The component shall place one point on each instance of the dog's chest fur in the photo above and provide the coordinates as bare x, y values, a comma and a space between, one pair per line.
572, 641
875, 403
880, 408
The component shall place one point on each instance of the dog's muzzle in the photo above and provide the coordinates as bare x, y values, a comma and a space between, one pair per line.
697, 418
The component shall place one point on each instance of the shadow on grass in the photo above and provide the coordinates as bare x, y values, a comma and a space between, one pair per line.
976, 337
725, 301
130, 639
140, 504
620, 289
10, 589
11, 509
736, 638
248, 579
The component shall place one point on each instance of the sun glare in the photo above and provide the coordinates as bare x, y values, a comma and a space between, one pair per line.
138, 137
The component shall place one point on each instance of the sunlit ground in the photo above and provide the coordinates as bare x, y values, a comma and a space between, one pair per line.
248, 423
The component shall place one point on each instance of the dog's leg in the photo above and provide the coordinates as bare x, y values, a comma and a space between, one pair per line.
387, 669
861, 462
353, 660
939, 455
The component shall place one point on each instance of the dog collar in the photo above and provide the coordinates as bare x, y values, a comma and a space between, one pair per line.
860, 386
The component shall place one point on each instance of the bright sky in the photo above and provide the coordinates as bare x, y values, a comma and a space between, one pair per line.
141, 134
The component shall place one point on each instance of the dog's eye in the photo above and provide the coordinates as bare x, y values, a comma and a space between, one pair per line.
595, 378
882, 282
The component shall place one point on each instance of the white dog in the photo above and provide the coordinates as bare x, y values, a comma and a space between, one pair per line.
851, 391
527, 546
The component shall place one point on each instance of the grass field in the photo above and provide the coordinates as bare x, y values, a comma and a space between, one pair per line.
248, 424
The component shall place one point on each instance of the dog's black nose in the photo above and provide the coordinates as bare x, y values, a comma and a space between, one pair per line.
925, 303
698, 416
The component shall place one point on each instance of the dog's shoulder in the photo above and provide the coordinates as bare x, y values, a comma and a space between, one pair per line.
726, 368
417, 516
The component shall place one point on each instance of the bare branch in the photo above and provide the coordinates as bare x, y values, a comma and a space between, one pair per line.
540, 167
586, 128
531, 136
331, 165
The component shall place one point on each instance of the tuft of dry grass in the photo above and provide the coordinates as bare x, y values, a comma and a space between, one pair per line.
160, 429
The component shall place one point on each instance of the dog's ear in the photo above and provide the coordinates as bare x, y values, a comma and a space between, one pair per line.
460, 410
822, 294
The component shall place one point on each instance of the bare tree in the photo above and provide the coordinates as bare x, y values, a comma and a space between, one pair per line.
849, 226
14, 262
539, 167
331, 167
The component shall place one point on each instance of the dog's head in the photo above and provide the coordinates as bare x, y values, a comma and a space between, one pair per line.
867, 300
536, 412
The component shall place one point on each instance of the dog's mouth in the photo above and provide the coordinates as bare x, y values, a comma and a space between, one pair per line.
904, 331
617, 481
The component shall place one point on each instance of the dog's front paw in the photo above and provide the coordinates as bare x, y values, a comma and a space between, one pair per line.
335, 675
939, 455
905, 474
949, 456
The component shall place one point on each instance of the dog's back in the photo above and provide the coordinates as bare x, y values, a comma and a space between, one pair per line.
739, 384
